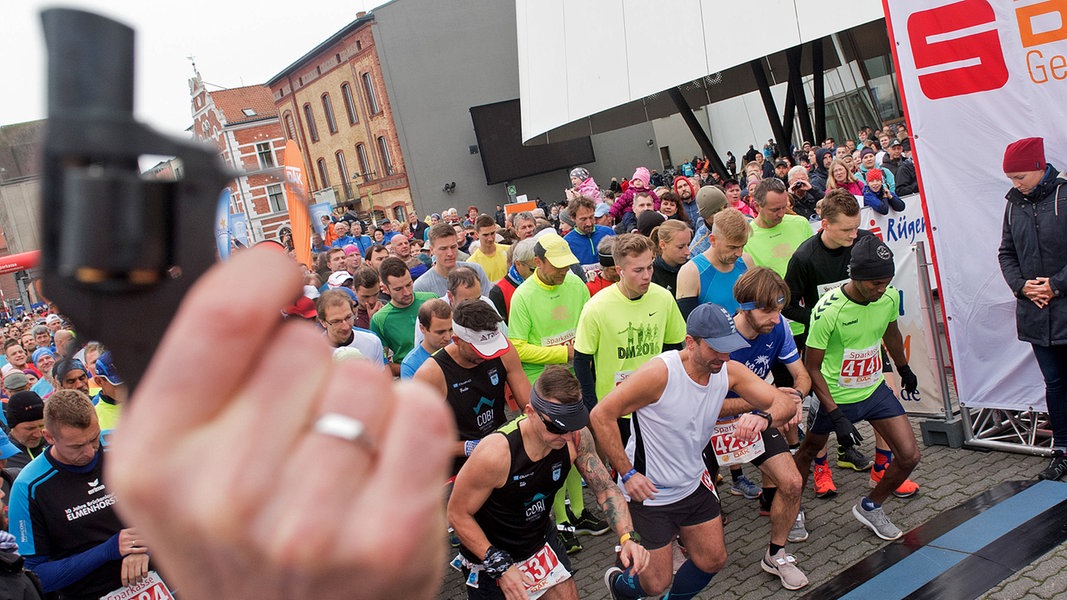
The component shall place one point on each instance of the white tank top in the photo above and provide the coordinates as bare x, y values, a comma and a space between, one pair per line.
670, 434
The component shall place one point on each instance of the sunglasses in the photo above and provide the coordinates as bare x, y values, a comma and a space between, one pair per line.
552, 427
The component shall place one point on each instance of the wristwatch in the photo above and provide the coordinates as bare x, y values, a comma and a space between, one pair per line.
630, 536
765, 415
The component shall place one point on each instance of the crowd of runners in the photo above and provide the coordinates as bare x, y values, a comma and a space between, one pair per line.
635, 340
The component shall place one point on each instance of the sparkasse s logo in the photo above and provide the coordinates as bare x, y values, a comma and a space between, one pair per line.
954, 54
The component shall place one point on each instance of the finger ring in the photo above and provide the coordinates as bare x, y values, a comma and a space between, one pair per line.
342, 426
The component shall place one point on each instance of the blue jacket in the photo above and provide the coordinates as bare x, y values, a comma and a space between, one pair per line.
584, 246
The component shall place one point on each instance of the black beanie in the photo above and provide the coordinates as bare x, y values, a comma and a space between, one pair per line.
23, 407
871, 259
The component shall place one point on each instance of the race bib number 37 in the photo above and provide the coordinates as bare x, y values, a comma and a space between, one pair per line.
860, 368
542, 571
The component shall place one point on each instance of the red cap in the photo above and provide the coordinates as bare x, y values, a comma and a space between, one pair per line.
1027, 154
304, 308
874, 174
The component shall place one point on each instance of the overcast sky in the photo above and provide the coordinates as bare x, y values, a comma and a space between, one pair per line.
235, 43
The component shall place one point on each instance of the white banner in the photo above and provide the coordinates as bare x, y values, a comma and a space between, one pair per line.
977, 75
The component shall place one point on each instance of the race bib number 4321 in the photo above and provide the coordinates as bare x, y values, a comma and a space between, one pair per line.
860, 368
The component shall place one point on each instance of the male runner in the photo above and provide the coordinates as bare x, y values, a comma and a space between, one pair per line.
625, 324
675, 400
336, 314
544, 316
844, 359
499, 506
62, 514
819, 265
710, 275
395, 322
471, 373
762, 294
435, 324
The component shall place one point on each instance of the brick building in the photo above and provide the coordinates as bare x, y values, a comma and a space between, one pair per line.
20, 204
243, 124
333, 102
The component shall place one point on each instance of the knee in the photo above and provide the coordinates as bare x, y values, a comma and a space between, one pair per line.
790, 485
711, 561
908, 458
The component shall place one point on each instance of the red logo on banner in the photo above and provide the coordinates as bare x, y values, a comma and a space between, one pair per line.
962, 64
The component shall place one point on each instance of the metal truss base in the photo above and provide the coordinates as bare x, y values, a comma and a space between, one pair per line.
1019, 431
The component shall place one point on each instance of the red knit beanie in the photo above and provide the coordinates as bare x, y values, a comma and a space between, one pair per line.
1027, 154
874, 174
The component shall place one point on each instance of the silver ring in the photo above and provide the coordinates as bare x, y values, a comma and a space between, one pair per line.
342, 427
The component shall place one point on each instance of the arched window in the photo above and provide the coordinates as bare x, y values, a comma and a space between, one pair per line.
324, 176
383, 152
309, 116
372, 98
364, 162
290, 126
350, 103
327, 107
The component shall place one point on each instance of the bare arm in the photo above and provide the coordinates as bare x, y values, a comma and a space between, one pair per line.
485, 470
894, 343
517, 379
813, 363
431, 374
609, 498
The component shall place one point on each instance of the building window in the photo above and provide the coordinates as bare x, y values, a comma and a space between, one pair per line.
324, 176
350, 103
327, 107
310, 118
265, 154
248, 112
372, 98
290, 126
364, 163
383, 152
342, 168
276, 198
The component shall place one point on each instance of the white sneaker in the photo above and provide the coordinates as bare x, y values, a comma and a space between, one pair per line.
785, 567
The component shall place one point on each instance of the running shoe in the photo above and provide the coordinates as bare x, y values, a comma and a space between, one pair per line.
785, 567
453, 539
905, 490
849, 457
798, 533
1056, 469
587, 524
610, 576
744, 486
877, 521
568, 538
824, 481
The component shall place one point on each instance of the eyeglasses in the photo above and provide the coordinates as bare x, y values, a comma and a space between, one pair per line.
349, 319
552, 427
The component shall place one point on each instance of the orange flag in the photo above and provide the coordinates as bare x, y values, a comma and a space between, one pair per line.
296, 190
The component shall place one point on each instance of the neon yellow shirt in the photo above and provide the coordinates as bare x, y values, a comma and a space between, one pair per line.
851, 335
543, 320
622, 334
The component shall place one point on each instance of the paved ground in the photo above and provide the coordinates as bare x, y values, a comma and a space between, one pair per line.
947, 476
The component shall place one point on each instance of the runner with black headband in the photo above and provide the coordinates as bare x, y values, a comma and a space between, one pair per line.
501, 503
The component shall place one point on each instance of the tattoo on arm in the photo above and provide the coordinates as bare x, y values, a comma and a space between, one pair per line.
598, 479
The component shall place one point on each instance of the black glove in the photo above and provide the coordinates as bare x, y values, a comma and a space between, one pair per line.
847, 434
908, 380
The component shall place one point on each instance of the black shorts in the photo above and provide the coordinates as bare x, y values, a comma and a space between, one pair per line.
658, 525
489, 590
881, 404
773, 444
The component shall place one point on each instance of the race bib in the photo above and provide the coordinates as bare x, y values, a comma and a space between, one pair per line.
567, 337
822, 288
592, 271
149, 588
542, 571
621, 376
860, 368
730, 450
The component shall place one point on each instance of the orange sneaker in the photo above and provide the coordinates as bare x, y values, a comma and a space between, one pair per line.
905, 490
824, 481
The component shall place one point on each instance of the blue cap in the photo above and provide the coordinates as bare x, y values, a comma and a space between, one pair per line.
601, 210
7, 449
711, 323
105, 367
38, 353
